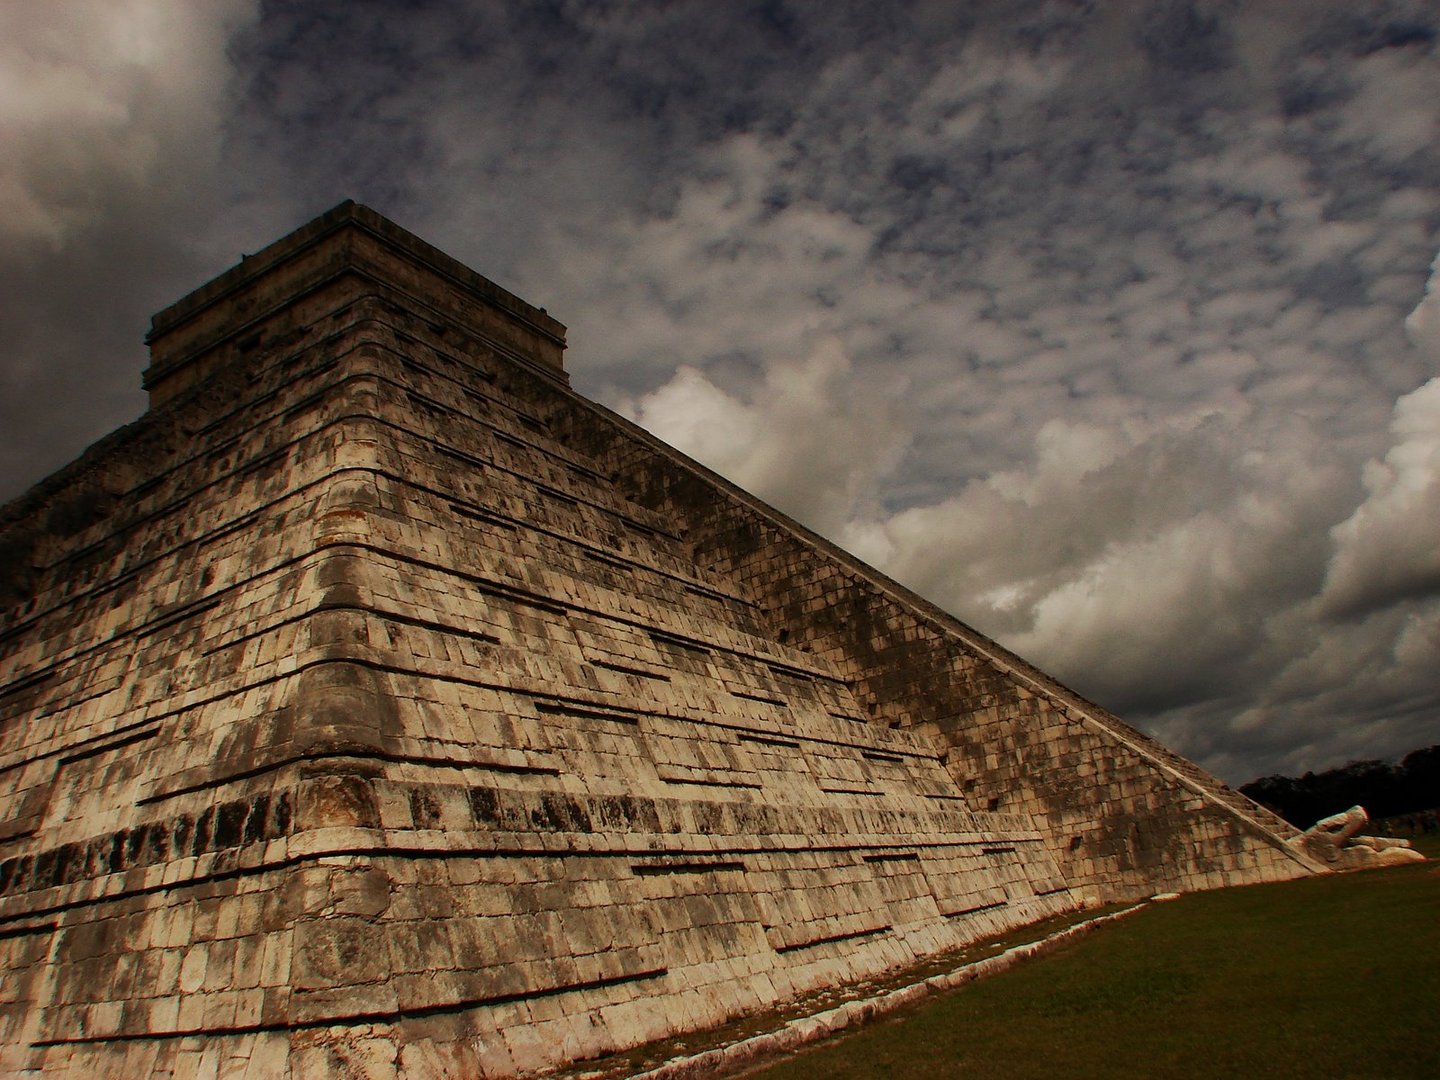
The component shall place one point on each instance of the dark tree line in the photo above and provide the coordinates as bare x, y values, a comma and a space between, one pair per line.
1384, 790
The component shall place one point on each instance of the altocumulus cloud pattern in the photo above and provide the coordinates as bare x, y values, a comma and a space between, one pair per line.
1112, 327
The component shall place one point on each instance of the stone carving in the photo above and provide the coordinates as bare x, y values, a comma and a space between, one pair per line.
1338, 842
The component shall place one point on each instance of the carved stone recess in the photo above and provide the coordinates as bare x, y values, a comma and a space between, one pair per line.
377, 705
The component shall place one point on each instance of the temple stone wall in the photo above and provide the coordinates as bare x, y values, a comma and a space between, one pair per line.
378, 706
1124, 816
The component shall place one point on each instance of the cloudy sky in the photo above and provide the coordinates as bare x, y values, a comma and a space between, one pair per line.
1112, 327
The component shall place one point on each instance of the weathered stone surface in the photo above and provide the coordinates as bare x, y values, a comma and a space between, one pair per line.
377, 705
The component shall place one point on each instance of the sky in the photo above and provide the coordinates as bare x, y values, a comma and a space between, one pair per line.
1113, 328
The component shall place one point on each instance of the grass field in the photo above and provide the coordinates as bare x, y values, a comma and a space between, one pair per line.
1335, 977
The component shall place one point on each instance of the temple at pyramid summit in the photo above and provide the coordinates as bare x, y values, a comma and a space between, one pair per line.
376, 705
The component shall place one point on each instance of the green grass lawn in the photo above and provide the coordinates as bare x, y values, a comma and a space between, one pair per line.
1335, 977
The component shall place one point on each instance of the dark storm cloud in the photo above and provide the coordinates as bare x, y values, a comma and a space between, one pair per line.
108, 146
1087, 320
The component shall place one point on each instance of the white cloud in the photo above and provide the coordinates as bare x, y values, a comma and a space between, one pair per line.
1392, 111
103, 96
1129, 559
722, 273
1387, 549
803, 442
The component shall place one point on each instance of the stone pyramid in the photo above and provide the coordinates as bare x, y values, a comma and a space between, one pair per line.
377, 705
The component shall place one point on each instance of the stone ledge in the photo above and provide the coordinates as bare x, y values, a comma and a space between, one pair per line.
747, 1053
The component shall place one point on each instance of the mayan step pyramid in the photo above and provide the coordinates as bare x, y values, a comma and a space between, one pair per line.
376, 705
